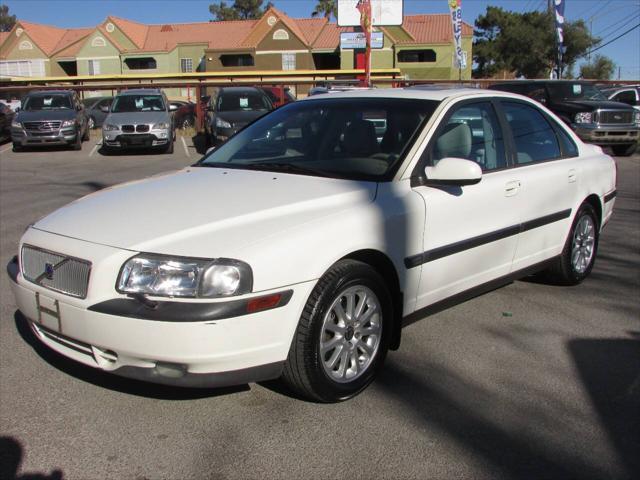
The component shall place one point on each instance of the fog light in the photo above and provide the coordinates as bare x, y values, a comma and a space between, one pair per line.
170, 370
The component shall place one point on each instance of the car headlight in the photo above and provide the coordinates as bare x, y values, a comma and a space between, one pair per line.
584, 117
110, 128
16, 124
165, 276
69, 123
161, 126
637, 118
222, 123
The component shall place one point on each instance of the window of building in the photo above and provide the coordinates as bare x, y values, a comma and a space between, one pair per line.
141, 63
98, 42
288, 61
186, 65
22, 68
25, 45
416, 56
94, 67
281, 34
240, 60
326, 61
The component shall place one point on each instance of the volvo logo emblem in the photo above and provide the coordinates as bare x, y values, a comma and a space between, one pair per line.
48, 271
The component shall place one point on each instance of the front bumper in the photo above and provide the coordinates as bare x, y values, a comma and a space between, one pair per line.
607, 135
23, 137
135, 140
210, 345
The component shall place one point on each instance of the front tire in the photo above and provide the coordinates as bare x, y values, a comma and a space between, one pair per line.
579, 253
623, 150
17, 147
169, 147
343, 334
77, 144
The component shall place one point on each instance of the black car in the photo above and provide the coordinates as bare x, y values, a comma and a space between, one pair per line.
93, 107
52, 117
586, 110
233, 108
6, 117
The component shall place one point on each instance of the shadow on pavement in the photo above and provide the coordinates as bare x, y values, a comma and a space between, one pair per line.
111, 381
610, 372
11, 453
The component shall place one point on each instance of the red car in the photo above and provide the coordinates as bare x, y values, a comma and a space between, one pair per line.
274, 94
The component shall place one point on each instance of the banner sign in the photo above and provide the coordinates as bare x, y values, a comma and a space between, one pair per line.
455, 9
383, 12
559, 11
358, 40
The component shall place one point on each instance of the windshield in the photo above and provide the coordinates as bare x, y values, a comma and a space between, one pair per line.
355, 138
575, 91
232, 101
138, 103
47, 102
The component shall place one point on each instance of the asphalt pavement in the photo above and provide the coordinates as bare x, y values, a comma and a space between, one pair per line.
528, 381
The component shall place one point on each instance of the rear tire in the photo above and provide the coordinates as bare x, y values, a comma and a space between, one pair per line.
343, 334
579, 253
624, 150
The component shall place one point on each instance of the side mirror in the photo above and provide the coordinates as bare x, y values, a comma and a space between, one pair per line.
173, 108
104, 108
454, 171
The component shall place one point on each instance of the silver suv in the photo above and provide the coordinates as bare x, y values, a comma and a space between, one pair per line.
139, 118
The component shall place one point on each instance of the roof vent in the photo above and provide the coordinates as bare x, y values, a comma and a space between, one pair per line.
166, 28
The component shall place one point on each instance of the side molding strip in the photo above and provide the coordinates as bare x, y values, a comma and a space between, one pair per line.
461, 246
610, 196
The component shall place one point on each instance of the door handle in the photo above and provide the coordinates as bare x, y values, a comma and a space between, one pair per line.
573, 175
511, 188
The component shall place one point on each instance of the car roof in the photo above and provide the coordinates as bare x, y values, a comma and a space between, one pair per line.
525, 81
240, 90
50, 92
437, 94
140, 91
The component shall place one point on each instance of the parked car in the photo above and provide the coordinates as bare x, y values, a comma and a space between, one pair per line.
185, 115
583, 107
279, 96
95, 108
51, 117
139, 118
629, 94
6, 117
301, 246
233, 108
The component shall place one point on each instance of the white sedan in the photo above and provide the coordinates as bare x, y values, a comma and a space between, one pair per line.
301, 246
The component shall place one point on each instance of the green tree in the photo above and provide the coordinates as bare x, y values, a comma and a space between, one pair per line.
600, 68
6, 21
325, 8
525, 43
240, 10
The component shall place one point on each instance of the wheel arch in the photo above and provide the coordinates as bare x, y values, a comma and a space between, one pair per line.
387, 270
594, 201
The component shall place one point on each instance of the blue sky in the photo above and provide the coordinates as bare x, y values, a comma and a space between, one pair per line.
608, 18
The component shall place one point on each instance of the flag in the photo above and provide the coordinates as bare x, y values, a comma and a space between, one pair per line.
559, 14
455, 9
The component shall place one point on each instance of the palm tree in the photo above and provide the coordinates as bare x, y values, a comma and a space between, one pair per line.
326, 8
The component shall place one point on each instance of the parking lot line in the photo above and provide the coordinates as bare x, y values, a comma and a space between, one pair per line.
6, 149
186, 149
93, 150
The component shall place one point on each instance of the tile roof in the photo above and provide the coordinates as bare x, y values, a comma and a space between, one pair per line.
47, 38
71, 39
432, 28
262, 27
311, 27
136, 32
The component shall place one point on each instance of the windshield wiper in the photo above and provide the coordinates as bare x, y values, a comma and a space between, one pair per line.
285, 168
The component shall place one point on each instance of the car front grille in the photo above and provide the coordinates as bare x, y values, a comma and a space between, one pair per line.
42, 126
614, 117
135, 128
56, 271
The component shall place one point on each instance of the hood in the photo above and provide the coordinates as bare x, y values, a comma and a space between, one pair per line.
39, 115
137, 118
590, 105
198, 209
241, 117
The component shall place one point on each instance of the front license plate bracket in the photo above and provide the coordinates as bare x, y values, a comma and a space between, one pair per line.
46, 310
